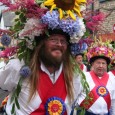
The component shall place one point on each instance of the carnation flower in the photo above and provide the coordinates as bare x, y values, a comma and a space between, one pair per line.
33, 27
25, 71
8, 52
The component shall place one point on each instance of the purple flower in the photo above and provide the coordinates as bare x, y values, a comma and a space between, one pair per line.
25, 71
5, 40
51, 19
69, 26
77, 48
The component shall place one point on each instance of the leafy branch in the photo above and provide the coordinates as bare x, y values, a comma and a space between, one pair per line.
15, 95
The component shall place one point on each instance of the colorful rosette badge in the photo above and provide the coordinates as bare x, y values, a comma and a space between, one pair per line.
55, 106
102, 91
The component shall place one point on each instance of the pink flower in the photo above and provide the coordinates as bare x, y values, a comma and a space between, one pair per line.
8, 52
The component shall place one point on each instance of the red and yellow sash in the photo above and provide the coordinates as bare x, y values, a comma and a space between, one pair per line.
97, 91
47, 89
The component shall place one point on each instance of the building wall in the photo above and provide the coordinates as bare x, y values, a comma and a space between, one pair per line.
110, 20
108, 8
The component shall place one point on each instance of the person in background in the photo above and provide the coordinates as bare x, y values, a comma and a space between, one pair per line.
101, 99
78, 51
79, 61
42, 78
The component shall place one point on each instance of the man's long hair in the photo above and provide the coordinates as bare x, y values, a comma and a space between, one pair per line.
35, 67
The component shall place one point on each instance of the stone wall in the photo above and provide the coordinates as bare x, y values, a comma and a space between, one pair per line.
108, 7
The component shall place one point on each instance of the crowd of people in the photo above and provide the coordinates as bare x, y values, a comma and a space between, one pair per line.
40, 72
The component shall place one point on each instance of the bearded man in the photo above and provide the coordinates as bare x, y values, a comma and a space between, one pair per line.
51, 88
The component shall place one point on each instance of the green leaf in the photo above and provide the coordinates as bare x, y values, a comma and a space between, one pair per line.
22, 49
17, 104
23, 19
18, 89
13, 96
17, 19
21, 43
17, 25
39, 1
21, 15
20, 56
13, 108
87, 33
17, 12
47, 33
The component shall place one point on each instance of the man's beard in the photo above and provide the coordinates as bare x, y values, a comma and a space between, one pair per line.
49, 60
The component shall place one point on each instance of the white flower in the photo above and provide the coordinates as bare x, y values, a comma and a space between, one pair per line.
31, 28
74, 39
82, 7
29, 44
77, 36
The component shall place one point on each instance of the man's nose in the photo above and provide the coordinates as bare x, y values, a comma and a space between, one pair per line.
101, 65
59, 43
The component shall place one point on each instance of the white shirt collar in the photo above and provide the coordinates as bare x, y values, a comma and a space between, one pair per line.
57, 73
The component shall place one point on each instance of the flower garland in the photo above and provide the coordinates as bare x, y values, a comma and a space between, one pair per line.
24, 72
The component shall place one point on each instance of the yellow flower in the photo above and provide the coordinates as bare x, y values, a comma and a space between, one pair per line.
66, 7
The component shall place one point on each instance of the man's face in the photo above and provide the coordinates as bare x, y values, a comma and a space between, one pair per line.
99, 67
79, 59
55, 49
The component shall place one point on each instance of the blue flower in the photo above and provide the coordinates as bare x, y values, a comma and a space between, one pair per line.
51, 19
5, 40
77, 48
69, 26
25, 71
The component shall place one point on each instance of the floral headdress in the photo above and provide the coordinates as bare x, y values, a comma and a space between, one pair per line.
100, 49
36, 17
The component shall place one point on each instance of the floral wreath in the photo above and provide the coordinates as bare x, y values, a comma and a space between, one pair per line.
100, 49
34, 18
